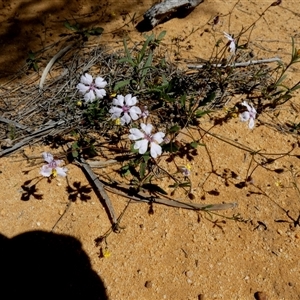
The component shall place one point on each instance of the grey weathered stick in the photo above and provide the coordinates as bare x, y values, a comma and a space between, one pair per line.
31, 137
241, 64
50, 64
16, 124
143, 197
100, 187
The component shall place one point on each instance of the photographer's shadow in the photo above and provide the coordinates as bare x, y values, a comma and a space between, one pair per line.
43, 265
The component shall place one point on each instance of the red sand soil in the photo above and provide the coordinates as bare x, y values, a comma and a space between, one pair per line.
173, 253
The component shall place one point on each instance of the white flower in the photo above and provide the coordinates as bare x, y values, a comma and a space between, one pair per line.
91, 90
248, 115
144, 137
52, 168
128, 110
232, 45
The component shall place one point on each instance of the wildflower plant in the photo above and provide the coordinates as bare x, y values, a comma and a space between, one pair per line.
90, 89
145, 138
248, 115
150, 93
52, 168
125, 109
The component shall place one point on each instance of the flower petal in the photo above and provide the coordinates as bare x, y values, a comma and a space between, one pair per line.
135, 134
155, 150
251, 123
115, 112
90, 96
46, 171
129, 100
247, 105
158, 137
134, 112
100, 93
147, 128
228, 36
245, 116
61, 171
48, 157
100, 82
82, 88
119, 100
125, 119
142, 145
86, 79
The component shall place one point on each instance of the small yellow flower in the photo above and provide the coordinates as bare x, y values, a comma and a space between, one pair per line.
279, 184
118, 122
113, 95
188, 166
79, 103
105, 253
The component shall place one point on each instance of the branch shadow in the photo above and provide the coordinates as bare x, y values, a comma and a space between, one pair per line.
43, 265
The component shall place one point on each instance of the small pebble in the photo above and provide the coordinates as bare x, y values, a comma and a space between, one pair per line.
148, 284
260, 296
189, 274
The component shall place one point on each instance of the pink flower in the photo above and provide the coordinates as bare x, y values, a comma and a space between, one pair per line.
144, 137
232, 45
52, 168
248, 115
91, 90
125, 109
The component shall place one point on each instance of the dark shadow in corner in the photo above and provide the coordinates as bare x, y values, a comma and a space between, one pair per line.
43, 265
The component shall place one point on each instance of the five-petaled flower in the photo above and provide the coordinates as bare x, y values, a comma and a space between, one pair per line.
144, 137
232, 45
248, 115
52, 168
90, 89
125, 106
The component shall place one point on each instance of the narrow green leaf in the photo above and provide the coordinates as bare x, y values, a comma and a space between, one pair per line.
209, 98
201, 113
161, 35
174, 129
121, 84
142, 172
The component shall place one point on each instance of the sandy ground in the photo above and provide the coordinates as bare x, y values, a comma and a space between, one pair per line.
172, 253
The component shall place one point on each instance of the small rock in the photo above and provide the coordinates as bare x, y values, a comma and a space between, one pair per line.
260, 296
148, 284
189, 274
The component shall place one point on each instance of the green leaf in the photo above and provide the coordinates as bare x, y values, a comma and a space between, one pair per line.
161, 35
194, 145
174, 129
201, 113
209, 98
128, 54
71, 27
121, 84
96, 31
142, 172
